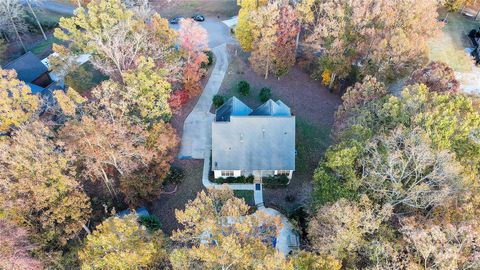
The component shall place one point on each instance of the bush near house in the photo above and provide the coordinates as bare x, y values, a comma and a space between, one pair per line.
243, 88
276, 181
151, 222
218, 100
234, 180
265, 94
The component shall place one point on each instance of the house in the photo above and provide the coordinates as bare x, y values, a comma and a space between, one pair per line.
34, 73
258, 142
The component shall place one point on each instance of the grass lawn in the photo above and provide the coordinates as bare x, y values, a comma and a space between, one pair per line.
310, 140
186, 8
449, 46
247, 195
44, 46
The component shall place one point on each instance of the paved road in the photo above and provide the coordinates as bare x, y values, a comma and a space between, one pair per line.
55, 7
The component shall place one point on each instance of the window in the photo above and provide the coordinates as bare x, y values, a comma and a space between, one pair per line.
283, 172
227, 173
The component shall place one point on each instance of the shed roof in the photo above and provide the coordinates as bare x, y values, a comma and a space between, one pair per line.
28, 67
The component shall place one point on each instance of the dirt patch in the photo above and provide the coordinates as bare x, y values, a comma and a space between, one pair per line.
186, 8
164, 207
311, 103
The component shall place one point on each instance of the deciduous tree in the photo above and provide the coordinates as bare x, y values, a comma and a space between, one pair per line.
387, 39
37, 180
122, 243
273, 29
243, 31
17, 105
218, 232
13, 12
116, 38
438, 76
401, 168
193, 40
341, 228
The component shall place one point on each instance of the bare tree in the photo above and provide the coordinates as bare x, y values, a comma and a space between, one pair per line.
29, 3
403, 169
12, 11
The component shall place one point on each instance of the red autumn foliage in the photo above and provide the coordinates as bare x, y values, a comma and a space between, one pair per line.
178, 99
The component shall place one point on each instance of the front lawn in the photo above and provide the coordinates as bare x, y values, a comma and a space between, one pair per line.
187, 8
247, 195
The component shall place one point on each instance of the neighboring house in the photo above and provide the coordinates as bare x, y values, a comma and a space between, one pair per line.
34, 73
258, 142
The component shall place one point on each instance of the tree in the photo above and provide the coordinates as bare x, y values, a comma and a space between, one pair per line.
305, 260
244, 27
122, 243
68, 101
341, 228
216, 216
454, 6
15, 246
29, 3
444, 245
273, 28
40, 190
193, 40
12, 11
357, 96
107, 149
437, 76
146, 184
150, 91
17, 105
401, 168
120, 39
374, 37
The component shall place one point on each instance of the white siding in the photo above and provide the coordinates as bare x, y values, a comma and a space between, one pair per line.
218, 173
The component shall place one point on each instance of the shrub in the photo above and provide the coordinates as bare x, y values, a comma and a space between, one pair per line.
209, 55
265, 94
243, 88
235, 180
276, 181
151, 222
218, 100
178, 99
175, 175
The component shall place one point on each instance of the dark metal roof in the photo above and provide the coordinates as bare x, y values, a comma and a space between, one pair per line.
28, 67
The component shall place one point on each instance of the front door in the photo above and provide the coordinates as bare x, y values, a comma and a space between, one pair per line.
257, 175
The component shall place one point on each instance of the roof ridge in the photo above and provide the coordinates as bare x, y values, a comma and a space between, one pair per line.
18, 58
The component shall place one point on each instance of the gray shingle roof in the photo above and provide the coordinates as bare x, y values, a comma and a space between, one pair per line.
272, 108
28, 67
233, 107
255, 142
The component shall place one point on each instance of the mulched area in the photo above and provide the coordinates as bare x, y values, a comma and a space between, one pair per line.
314, 107
164, 207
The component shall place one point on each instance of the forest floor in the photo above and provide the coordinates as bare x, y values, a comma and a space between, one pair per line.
312, 104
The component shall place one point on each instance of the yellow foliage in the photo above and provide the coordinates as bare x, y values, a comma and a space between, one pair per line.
326, 77
69, 101
243, 32
17, 104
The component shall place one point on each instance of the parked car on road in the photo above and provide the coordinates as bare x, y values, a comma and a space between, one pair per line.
198, 17
175, 20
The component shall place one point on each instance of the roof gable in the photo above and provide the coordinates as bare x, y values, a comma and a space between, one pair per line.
271, 108
28, 67
233, 107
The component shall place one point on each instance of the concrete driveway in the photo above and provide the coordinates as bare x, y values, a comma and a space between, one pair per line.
197, 129
218, 32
